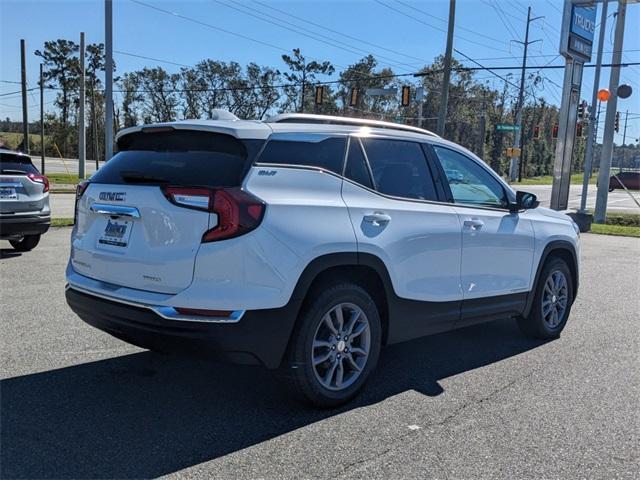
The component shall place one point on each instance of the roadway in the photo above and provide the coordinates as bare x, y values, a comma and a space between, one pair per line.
482, 402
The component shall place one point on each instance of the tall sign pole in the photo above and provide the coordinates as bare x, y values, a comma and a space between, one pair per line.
82, 147
576, 41
108, 66
593, 123
23, 82
607, 139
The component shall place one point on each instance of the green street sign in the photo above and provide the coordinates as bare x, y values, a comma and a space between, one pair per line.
505, 127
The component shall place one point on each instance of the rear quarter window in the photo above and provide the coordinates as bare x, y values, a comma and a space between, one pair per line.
179, 157
306, 150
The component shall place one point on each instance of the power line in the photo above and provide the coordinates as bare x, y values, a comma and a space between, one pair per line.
458, 37
120, 52
337, 32
459, 27
314, 36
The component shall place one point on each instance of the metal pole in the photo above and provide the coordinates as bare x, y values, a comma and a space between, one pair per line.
41, 121
108, 65
513, 170
624, 140
593, 122
82, 147
612, 105
444, 96
25, 115
94, 123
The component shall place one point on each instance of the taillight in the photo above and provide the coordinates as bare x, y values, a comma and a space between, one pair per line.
238, 212
36, 177
80, 189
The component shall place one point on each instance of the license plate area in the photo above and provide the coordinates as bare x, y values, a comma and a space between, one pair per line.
8, 193
116, 234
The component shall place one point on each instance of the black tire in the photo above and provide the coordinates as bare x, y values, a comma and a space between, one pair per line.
298, 370
28, 242
611, 189
535, 325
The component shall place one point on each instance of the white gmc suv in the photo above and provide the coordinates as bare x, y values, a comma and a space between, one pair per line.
305, 243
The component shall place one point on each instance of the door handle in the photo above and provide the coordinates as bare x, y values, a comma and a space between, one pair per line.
377, 218
473, 223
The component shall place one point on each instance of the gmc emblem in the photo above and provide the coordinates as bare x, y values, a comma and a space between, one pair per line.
112, 196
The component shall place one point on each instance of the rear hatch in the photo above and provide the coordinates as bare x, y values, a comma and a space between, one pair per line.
22, 188
142, 217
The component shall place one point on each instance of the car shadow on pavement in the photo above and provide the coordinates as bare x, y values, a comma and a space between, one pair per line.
8, 253
145, 415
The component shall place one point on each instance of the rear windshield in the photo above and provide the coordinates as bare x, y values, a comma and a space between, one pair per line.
11, 163
179, 157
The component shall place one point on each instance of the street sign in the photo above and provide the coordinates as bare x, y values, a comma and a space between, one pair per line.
381, 92
505, 127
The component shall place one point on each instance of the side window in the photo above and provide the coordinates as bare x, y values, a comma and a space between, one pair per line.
356, 168
469, 182
399, 168
308, 150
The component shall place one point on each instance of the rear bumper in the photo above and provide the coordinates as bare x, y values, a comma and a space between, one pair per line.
17, 226
259, 337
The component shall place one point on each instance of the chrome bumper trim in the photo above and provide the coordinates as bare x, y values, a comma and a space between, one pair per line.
168, 313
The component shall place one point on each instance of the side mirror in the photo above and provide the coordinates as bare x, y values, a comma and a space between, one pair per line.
524, 201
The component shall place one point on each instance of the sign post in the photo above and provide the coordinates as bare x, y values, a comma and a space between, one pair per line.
576, 42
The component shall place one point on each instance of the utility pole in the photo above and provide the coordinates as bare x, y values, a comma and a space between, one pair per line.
612, 105
444, 96
517, 138
25, 115
593, 116
82, 147
41, 121
108, 77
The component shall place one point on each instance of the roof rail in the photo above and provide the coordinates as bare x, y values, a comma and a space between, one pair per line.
335, 120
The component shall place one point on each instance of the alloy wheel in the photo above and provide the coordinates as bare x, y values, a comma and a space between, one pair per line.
341, 346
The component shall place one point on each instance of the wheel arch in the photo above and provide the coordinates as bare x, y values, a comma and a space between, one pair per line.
556, 249
366, 270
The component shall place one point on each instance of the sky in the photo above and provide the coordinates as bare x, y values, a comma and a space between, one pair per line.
402, 34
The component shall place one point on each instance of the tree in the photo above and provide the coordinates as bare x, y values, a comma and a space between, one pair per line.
302, 74
160, 101
131, 99
361, 76
61, 71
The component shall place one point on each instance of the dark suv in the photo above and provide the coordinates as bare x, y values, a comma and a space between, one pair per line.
24, 201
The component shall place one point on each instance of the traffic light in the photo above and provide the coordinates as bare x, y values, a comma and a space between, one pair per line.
536, 131
579, 130
406, 94
353, 97
319, 95
554, 131
582, 109
616, 124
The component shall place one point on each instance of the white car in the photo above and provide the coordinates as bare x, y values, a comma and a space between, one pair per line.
305, 243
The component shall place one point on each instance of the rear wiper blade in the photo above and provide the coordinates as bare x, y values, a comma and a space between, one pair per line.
13, 170
139, 177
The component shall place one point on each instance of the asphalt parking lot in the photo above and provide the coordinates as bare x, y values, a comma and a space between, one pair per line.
478, 402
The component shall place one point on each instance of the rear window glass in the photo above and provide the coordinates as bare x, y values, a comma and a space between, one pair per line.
327, 153
178, 157
12, 163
